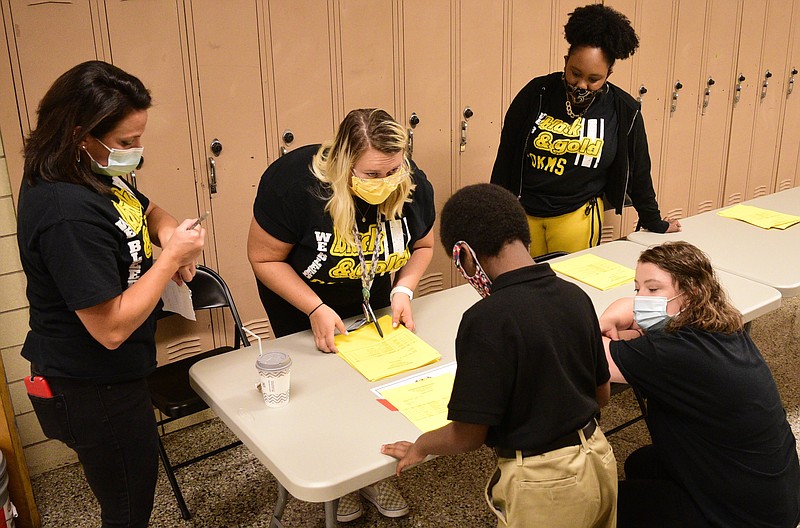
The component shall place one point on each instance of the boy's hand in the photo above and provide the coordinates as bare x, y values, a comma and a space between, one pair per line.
405, 452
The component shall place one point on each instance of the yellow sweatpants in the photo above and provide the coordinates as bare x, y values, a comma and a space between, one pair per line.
570, 232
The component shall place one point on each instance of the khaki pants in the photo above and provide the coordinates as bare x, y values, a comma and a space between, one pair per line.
571, 487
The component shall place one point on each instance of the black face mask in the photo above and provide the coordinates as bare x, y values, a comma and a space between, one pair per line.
581, 96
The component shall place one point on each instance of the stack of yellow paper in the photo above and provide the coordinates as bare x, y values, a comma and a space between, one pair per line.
763, 218
594, 271
424, 400
376, 357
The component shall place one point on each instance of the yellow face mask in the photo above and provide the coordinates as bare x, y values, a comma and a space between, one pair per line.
375, 191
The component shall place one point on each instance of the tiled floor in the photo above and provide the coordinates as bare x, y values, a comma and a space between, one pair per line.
234, 489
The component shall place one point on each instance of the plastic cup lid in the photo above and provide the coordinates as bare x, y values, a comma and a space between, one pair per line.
273, 361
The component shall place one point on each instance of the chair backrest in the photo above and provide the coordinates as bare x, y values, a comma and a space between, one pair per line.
209, 291
548, 256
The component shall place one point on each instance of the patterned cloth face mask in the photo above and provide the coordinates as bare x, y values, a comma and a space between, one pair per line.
479, 280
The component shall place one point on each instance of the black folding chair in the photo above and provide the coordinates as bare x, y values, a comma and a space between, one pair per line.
170, 390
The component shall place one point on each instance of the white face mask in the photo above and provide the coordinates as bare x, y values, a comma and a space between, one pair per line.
120, 161
650, 312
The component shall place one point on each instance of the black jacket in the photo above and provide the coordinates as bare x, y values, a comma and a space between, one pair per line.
629, 179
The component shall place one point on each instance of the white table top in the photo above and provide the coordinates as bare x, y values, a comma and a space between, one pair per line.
751, 298
768, 256
326, 441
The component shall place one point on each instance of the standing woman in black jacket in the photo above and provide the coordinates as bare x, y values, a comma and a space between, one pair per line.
571, 140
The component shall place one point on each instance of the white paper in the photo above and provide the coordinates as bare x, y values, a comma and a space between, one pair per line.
178, 299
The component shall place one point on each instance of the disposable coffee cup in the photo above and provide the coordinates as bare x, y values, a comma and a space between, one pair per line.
274, 369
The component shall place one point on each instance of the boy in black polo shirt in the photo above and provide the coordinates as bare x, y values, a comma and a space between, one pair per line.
531, 375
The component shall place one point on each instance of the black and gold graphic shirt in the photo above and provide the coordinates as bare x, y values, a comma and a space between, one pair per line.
566, 158
290, 206
79, 249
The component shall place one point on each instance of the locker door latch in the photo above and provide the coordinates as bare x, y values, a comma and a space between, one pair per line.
678, 86
467, 114
765, 84
707, 94
738, 91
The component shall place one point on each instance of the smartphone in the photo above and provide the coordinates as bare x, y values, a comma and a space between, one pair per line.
38, 386
202, 217
358, 323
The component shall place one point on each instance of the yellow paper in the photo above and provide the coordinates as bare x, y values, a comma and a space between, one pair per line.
423, 402
594, 271
400, 350
763, 218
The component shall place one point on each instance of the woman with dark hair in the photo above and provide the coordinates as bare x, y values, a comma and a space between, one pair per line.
85, 241
331, 223
572, 139
723, 453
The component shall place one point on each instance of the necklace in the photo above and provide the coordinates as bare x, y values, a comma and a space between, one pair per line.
368, 275
363, 214
579, 114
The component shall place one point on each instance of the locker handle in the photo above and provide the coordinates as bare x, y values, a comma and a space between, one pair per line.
413, 121
737, 94
678, 86
287, 137
765, 84
642, 91
212, 178
707, 94
467, 114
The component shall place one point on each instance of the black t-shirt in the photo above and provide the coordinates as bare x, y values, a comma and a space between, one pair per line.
290, 205
566, 159
530, 359
716, 416
79, 249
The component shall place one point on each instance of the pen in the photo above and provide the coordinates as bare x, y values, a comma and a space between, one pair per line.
370, 316
202, 217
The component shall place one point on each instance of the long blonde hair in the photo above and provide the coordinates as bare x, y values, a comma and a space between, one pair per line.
362, 129
706, 305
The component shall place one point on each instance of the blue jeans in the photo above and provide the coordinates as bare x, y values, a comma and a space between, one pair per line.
112, 429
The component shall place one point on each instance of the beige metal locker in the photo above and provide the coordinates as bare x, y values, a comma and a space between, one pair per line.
678, 154
477, 113
40, 28
300, 72
789, 150
711, 145
426, 77
762, 58
367, 48
232, 135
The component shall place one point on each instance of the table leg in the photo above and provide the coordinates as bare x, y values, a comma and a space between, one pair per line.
330, 513
280, 504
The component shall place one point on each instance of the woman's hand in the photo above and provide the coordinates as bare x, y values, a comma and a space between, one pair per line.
184, 248
674, 225
324, 320
405, 452
401, 311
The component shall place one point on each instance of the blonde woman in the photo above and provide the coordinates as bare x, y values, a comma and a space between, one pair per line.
331, 223
723, 453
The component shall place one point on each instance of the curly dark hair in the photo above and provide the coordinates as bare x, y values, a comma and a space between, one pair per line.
599, 26
485, 216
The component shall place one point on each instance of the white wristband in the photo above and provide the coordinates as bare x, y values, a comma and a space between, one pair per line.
401, 289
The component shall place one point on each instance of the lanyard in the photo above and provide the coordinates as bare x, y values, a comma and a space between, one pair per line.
368, 275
